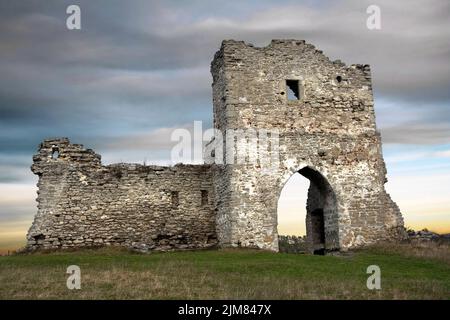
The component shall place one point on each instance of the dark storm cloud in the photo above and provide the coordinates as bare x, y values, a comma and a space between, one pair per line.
114, 34
137, 66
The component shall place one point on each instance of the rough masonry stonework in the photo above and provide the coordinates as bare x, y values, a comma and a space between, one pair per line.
323, 112
82, 203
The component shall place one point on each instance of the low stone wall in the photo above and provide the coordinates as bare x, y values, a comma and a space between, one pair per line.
82, 203
428, 236
293, 244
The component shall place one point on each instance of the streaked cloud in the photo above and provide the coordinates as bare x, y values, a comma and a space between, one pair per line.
417, 133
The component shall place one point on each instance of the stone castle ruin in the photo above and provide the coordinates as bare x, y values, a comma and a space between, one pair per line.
324, 113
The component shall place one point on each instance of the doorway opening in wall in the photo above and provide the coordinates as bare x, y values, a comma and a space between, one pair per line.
307, 214
291, 214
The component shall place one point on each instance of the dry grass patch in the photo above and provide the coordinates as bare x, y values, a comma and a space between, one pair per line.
407, 273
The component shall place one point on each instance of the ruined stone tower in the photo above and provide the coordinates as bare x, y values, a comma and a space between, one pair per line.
324, 117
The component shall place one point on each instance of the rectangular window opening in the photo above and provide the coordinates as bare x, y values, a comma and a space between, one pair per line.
175, 198
204, 198
293, 89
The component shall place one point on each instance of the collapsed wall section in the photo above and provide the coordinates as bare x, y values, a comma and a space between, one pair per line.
82, 203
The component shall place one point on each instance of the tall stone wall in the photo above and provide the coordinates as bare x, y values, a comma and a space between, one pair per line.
330, 129
82, 203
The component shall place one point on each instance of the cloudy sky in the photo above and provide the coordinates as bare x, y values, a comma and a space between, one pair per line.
138, 69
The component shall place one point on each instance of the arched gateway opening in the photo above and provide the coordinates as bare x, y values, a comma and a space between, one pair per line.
320, 218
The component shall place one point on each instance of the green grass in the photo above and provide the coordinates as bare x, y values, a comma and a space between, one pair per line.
227, 274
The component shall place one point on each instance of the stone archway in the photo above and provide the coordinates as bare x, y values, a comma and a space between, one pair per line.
322, 214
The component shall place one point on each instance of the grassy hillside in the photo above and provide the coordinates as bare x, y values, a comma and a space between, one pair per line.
406, 273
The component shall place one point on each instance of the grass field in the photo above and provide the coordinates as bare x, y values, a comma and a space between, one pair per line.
406, 273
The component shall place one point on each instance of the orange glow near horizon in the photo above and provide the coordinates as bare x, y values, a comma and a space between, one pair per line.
421, 208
